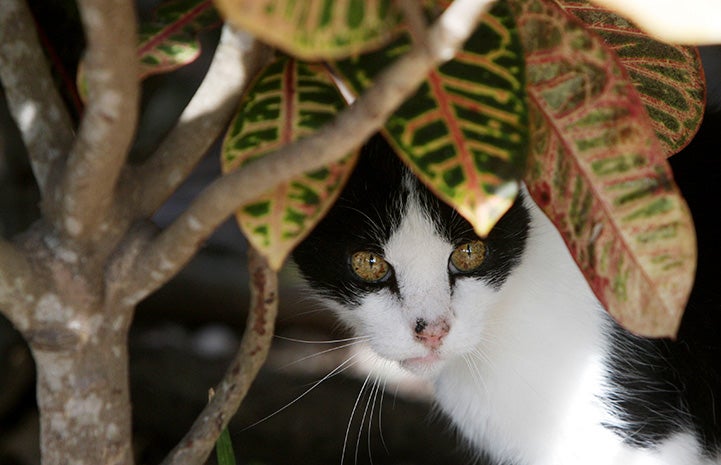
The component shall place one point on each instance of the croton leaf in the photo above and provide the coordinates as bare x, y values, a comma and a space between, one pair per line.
315, 29
287, 101
465, 132
600, 174
669, 78
170, 40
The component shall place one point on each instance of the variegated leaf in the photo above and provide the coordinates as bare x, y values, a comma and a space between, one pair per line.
600, 174
465, 131
669, 78
315, 29
170, 40
288, 100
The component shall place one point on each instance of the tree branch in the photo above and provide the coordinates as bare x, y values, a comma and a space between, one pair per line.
237, 59
413, 13
18, 285
81, 202
169, 252
34, 102
198, 443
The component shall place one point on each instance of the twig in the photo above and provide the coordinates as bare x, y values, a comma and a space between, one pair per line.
169, 252
18, 285
413, 14
237, 59
39, 112
198, 443
80, 206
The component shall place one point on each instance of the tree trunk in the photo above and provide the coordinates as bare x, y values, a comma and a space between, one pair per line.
83, 394
76, 326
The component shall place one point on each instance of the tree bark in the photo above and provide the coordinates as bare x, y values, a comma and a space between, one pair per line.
77, 333
83, 394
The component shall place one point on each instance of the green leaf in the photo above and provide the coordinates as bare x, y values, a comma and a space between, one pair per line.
170, 40
288, 100
465, 132
600, 174
315, 29
669, 78
224, 449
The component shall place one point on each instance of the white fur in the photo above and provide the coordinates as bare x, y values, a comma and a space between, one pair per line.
521, 369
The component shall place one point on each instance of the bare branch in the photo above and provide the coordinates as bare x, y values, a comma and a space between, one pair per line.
18, 285
237, 59
199, 441
414, 16
81, 203
171, 250
34, 102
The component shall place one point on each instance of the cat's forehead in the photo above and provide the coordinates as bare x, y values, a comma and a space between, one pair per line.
383, 192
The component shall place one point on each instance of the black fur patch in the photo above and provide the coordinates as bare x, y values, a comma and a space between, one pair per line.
364, 217
661, 387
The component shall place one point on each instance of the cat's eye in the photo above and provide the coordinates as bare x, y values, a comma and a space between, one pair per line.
468, 257
370, 267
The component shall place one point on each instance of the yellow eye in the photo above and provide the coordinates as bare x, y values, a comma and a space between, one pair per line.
370, 267
469, 256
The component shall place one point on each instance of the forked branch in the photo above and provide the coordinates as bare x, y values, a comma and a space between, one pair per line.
110, 66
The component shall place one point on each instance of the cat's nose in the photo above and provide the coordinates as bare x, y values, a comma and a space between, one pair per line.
431, 334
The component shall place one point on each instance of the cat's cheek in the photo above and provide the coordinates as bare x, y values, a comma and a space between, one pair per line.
471, 303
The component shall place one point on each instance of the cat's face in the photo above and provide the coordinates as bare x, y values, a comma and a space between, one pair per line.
404, 270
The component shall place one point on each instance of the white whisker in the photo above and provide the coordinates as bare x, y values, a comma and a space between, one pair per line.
337, 370
332, 341
350, 420
370, 405
380, 416
475, 370
322, 352
376, 387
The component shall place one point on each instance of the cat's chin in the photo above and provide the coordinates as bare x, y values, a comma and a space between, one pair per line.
427, 366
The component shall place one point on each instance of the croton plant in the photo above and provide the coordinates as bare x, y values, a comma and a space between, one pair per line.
563, 97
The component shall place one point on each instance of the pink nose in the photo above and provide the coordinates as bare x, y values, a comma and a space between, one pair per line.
431, 334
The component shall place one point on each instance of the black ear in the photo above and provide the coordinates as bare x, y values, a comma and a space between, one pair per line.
377, 172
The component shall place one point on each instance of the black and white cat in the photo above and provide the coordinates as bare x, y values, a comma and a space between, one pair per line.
525, 362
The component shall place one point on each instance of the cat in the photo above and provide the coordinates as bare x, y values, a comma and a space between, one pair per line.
524, 360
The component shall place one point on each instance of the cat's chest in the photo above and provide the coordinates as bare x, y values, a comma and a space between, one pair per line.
541, 410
